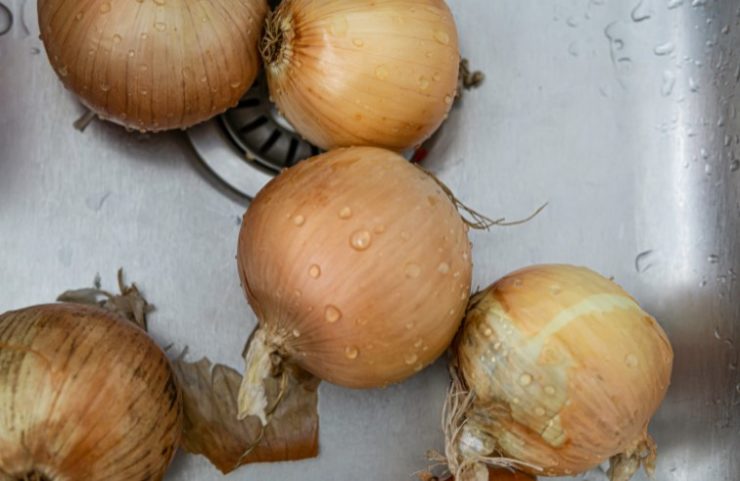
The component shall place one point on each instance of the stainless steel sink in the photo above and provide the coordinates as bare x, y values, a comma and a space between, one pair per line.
621, 114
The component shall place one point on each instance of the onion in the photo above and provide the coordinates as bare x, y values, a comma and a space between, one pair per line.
358, 267
351, 72
563, 371
154, 65
85, 395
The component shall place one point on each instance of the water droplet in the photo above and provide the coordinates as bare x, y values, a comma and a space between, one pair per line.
332, 314
443, 268
539, 411
78, 17
361, 321
314, 271
693, 86
338, 26
641, 12
664, 48
549, 390
105, 87
674, 4
525, 379
360, 240
423, 83
105, 7
160, 26
299, 220
144, 36
642, 263
412, 270
410, 325
117, 38
345, 213
351, 352
63, 71
572, 22
296, 333
735, 165
516, 401
358, 42
379, 229
497, 346
448, 99
418, 343
488, 332
442, 37
631, 360
517, 282
381, 72
410, 358
132, 53
713, 258
555, 289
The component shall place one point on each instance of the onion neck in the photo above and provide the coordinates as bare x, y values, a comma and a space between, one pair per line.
262, 360
277, 41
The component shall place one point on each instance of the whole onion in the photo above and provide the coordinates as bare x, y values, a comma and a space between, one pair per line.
358, 267
352, 72
154, 64
563, 370
85, 395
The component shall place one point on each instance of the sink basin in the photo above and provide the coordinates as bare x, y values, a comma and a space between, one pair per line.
622, 115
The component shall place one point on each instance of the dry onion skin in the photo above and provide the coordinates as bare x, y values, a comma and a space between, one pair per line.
357, 265
560, 370
352, 72
154, 65
85, 395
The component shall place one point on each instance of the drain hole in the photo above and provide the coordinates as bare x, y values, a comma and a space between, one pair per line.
270, 142
259, 122
247, 103
6, 19
290, 158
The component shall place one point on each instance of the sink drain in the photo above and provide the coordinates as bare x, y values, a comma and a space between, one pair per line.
249, 144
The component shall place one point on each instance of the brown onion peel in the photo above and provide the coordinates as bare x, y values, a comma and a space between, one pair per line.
339, 257
210, 399
566, 345
154, 65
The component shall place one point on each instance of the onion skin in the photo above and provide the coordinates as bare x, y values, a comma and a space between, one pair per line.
85, 395
357, 265
505, 475
154, 65
352, 72
579, 369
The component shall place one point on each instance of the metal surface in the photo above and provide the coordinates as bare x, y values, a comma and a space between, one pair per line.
621, 114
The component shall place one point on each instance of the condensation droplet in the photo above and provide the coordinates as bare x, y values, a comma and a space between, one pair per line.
332, 314
448, 99
358, 42
423, 83
412, 270
345, 213
539, 411
314, 271
360, 240
296, 333
117, 38
410, 358
381, 72
549, 390
418, 343
105, 7
442, 37
443, 268
299, 220
631, 360
351, 352
379, 229
488, 332
525, 379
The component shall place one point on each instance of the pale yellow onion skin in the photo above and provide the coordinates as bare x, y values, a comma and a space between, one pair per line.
85, 395
362, 316
154, 65
352, 72
566, 368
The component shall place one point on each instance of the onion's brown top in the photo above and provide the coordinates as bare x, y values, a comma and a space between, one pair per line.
154, 64
357, 265
85, 396
567, 369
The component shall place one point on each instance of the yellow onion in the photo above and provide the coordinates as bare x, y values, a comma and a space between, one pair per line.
352, 72
564, 370
358, 267
85, 395
154, 64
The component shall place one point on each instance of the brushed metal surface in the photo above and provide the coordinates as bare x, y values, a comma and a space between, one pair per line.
622, 115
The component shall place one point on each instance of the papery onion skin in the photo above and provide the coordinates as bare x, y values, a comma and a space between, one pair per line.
351, 72
566, 368
357, 265
154, 65
86, 396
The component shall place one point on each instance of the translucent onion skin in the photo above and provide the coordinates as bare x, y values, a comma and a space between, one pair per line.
357, 265
566, 368
154, 65
352, 72
85, 395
